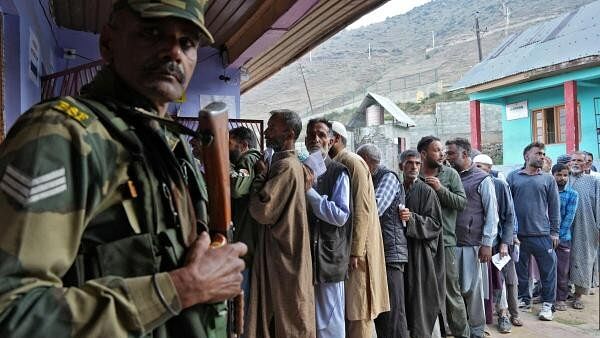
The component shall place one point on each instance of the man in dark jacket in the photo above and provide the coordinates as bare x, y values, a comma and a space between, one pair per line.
243, 155
330, 232
424, 276
389, 195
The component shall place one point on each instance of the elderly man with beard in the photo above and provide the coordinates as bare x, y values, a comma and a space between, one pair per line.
366, 288
330, 231
424, 276
585, 229
389, 194
537, 206
282, 298
476, 229
449, 189
505, 293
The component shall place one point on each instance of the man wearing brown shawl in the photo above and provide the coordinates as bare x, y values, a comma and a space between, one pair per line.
366, 288
424, 278
282, 295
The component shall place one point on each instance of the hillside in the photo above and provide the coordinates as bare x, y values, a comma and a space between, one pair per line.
400, 49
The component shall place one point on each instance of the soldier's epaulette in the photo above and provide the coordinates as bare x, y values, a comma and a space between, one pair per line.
74, 109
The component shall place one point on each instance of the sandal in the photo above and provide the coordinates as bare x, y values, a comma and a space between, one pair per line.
516, 321
560, 306
578, 304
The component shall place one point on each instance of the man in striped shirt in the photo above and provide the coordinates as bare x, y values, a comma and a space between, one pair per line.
389, 195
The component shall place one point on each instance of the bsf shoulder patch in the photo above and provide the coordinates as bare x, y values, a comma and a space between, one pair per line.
27, 190
74, 110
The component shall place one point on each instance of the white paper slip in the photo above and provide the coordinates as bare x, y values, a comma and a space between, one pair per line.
500, 262
316, 163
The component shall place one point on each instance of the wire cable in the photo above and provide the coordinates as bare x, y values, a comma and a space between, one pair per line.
49, 22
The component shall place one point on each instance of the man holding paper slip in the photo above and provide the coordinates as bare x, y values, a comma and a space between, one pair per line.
330, 228
506, 302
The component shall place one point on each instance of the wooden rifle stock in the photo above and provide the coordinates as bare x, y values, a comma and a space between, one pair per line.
213, 128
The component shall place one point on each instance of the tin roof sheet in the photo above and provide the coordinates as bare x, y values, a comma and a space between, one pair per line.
568, 37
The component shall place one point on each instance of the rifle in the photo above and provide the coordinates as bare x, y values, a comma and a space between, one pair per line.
213, 129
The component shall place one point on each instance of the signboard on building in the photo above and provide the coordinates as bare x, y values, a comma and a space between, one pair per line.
516, 110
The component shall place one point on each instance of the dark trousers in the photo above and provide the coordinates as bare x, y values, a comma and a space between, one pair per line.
563, 253
540, 247
392, 324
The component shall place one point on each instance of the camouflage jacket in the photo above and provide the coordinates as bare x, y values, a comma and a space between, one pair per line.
242, 175
66, 181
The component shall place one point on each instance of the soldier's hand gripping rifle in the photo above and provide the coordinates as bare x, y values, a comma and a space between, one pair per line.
213, 129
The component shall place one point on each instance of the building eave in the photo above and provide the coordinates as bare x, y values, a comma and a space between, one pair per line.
535, 74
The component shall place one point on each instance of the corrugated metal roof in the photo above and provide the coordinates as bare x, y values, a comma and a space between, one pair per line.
359, 120
569, 37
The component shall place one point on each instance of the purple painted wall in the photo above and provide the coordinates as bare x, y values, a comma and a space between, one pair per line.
206, 82
22, 17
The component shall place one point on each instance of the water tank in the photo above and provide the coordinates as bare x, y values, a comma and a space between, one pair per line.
374, 115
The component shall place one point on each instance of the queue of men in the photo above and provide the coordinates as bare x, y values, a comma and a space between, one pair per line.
104, 207
425, 235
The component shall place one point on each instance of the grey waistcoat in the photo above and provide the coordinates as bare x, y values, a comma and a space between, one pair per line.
469, 222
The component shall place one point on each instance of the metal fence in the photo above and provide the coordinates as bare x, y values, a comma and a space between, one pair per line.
257, 126
69, 81
385, 88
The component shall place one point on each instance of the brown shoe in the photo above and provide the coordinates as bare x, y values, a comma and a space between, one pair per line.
578, 304
560, 306
516, 321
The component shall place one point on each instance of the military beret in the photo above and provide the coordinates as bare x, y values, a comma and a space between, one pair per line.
191, 10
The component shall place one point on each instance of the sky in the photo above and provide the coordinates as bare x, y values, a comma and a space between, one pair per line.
390, 8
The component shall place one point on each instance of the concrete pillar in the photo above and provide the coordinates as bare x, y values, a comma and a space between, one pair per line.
572, 127
475, 108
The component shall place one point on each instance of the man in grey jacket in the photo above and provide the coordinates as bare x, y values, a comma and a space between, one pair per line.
476, 229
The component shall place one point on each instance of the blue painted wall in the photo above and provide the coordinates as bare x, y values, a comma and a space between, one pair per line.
518, 133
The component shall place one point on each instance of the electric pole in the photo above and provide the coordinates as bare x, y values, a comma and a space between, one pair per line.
477, 31
306, 87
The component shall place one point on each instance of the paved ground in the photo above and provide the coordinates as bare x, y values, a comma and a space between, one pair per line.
566, 324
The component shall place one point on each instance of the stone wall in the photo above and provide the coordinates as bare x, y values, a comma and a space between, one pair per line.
451, 119
385, 137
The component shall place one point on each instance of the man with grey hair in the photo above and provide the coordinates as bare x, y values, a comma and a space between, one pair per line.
282, 259
389, 195
425, 270
366, 287
585, 228
330, 231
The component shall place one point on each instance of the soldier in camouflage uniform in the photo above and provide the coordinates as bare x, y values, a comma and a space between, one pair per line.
101, 205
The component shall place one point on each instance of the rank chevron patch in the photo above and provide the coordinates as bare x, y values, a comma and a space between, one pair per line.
28, 190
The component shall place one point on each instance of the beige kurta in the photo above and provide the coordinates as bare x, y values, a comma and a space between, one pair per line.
282, 294
366, 289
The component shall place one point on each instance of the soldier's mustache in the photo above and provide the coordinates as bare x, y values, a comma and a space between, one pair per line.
170, 68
